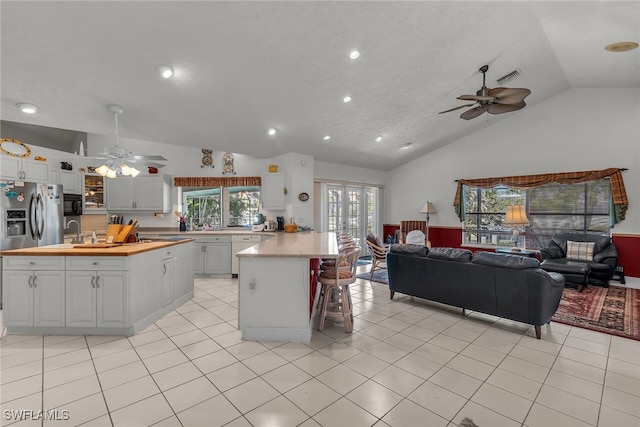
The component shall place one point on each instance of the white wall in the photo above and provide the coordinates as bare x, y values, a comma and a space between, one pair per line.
187, 161
580, 129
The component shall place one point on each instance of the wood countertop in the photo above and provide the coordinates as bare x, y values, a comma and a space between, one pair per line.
306, 244
65, 249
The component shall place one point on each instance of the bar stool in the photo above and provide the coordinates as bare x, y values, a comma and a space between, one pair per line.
336, 302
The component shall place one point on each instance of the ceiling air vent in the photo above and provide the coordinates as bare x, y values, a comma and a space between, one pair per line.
509, 77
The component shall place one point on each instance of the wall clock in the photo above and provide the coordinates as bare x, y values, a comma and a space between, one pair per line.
303, 197
14, 148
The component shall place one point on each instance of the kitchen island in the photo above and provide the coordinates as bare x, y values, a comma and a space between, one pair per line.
119, 290
274, 286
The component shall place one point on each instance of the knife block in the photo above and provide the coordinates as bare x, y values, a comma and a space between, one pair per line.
119, 232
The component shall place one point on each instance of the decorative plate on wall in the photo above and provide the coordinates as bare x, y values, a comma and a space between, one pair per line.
303, 197
14, 148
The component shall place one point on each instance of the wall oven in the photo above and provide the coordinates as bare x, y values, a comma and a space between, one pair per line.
72, 204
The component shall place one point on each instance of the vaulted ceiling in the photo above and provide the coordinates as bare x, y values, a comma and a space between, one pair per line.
243, 67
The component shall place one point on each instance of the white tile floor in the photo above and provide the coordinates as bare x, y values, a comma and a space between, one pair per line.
407, 363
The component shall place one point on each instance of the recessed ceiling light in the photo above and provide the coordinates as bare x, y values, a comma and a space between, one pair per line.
621, 46
27, 108
405, 146
271, 131
326, 137
346, 99
379, 138
166, 71
354, 54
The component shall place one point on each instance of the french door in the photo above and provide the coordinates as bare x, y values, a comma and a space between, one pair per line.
352, 210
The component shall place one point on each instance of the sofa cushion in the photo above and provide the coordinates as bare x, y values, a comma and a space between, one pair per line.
412, 250
515, 262
580, 251
450, 254
601, 240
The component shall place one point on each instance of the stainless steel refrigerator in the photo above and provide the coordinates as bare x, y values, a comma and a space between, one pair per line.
31, 216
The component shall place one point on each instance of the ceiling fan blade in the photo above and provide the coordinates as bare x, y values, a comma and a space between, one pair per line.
142, 158
475, 98
456, 108
152, 164
509, 100
505, 108
474, 112
501, 92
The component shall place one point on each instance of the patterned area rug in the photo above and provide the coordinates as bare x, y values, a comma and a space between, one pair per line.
613, 310
378, 276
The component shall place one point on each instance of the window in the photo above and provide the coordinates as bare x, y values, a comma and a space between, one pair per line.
551, 209
220, 207
485, 211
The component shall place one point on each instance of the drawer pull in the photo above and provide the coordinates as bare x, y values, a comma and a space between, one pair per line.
32, 263
94, 263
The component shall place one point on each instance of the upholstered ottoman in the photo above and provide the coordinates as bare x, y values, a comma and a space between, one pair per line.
576, 272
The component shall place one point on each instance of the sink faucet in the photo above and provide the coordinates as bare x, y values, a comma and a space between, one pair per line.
78, 239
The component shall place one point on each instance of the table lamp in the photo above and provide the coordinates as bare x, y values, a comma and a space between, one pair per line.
428, 208
516, 217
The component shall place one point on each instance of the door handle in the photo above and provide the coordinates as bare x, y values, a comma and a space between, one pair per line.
35, 284
97, 281
93, 280
165, 268
30, 281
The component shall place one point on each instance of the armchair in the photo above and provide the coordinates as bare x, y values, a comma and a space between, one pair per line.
378, 253
595, 267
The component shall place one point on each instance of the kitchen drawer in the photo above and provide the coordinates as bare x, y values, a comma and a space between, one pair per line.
97, 263
34, 263
256, 238
213, 239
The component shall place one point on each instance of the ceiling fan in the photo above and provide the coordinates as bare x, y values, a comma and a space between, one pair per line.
494, 101
121, 161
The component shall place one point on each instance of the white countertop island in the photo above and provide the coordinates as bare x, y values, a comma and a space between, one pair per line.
274, 286
119, 290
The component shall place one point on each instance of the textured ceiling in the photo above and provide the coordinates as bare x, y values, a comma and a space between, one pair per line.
242, 67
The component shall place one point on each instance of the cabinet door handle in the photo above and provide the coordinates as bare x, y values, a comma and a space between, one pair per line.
35, 284
93, 281
97, 281
164, 266
30, 281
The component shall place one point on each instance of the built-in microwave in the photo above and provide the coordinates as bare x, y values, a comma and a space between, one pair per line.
72, 204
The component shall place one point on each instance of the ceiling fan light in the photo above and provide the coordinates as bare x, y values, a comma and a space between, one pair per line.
111, 173
134, 172
102, 170
27, 108
125, 169
165, 71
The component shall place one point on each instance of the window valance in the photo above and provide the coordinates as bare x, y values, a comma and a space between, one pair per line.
619, 201
217, 181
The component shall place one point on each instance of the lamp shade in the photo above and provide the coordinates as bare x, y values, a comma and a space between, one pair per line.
428, 208
516, 216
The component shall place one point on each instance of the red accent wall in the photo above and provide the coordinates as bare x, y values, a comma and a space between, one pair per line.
389, 230
628, 253
628, 246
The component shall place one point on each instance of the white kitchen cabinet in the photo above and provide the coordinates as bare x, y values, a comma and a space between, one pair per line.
142, 193
71, 181
34, 291
272, 191
212, 255
97, 293
20, 169
240, 242
168, 279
